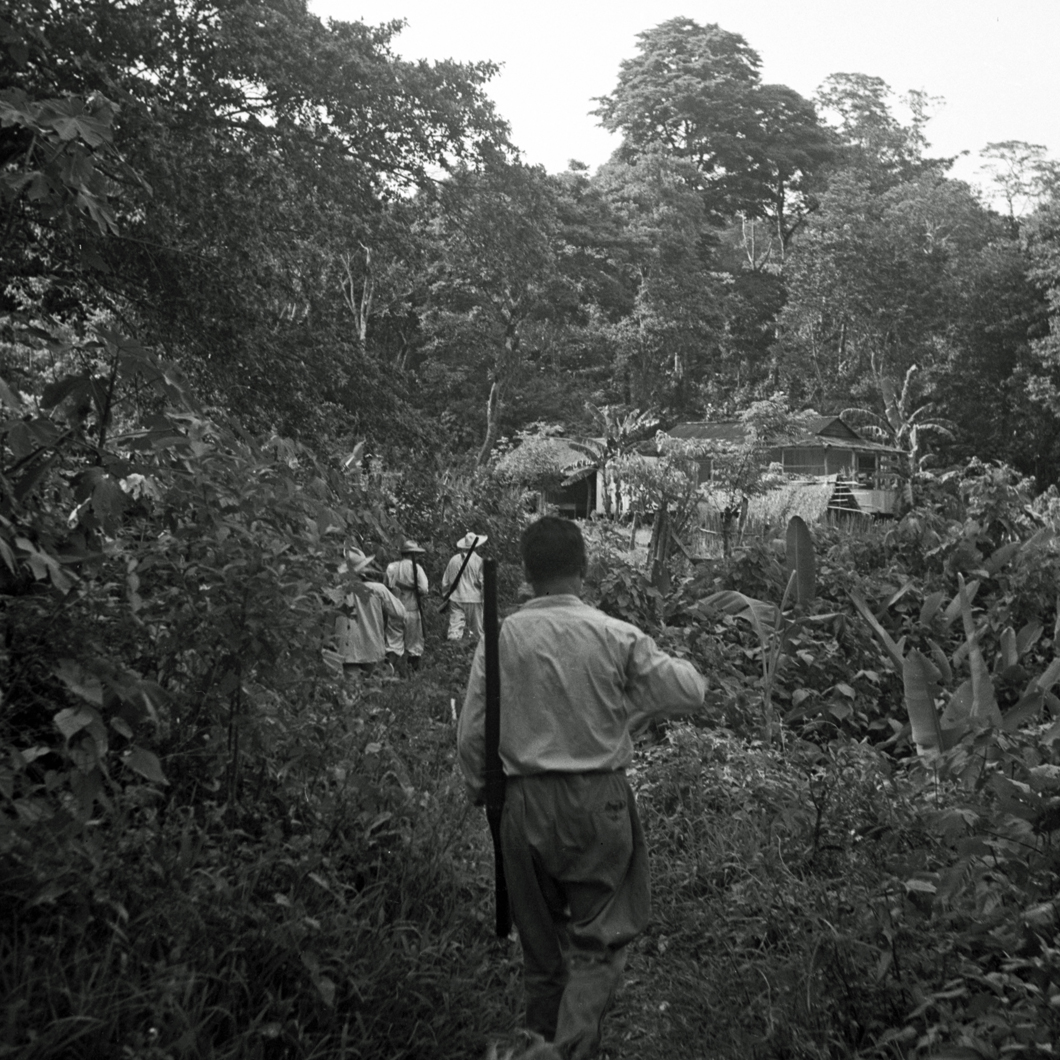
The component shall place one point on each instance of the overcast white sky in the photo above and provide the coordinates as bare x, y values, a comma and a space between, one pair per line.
994, 62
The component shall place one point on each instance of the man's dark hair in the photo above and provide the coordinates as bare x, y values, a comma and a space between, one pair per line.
552, 548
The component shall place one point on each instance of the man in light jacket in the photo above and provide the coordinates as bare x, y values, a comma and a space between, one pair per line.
407, 580
360, 629
573, 683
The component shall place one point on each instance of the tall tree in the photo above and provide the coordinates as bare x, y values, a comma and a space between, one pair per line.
695, 91
872, 142
981, 384
667, 345
875, 285
1022, 173
792, 150
495, 233
1043, 376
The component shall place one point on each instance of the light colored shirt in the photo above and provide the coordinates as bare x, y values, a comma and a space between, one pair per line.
398, 580
469, 588
359, 637
574, 681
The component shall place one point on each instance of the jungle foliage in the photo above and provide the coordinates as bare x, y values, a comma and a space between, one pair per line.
266, 287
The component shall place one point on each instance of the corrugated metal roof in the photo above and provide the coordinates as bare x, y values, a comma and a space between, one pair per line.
720, 431
819, 441
826, 431
832, 427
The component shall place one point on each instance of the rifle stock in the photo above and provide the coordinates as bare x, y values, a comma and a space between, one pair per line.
495, 782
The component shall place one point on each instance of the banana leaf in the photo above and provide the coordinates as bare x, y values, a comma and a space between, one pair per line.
1028, 635
1027, 709
984, 707
1008, 655
763, 616
999, 557
941, 662
930, 607
953, 609
1049, 676
920, 683
960, 708
894, 652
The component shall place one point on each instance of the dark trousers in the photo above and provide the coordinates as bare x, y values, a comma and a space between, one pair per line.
577, 869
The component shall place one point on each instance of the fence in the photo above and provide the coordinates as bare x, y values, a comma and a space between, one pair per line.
707, 542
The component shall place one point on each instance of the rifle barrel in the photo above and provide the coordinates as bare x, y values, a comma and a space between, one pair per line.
495, 782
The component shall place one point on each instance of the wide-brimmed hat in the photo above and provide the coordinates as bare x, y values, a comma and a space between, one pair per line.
408, 545
470, 539
357, 561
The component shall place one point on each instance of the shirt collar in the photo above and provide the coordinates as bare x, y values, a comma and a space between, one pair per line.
558, 600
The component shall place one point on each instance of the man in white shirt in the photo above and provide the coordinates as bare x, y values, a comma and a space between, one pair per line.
573, 683
462, 583
359, 630
406, 579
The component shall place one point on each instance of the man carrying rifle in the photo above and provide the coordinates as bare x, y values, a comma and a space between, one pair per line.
462, 588
573, 683
406, 579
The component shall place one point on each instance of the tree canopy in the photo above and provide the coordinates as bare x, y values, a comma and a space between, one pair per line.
267, 145
696, 92
336, 242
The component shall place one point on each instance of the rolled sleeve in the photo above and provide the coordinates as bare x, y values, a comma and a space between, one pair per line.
659, 685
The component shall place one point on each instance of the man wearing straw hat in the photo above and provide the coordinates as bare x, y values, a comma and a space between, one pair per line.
462, 587
406, 579
359, 630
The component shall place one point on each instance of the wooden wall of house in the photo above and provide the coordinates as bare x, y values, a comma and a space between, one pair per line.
814, 460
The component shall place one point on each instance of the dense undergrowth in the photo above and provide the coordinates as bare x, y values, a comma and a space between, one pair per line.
212, 846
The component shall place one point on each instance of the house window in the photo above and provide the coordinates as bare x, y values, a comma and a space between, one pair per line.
867, 469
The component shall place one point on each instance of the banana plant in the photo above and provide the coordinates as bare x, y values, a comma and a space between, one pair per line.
778, 627
950, 695
901, 426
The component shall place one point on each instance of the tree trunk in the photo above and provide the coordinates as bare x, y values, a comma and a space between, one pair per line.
359, 303
505, 360
492, 417
728, 517
607, 480
659, 551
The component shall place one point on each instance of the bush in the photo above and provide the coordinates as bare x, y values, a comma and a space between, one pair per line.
210, 846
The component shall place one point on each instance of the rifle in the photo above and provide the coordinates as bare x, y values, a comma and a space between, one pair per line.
416, 593
456, 581
495, 782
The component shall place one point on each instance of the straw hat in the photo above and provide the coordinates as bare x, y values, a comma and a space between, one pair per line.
358, 562
470, 539
408, 545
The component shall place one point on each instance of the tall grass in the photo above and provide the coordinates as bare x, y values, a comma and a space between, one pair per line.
344, 916
768, 932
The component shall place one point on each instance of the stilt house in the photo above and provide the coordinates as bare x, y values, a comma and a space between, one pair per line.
830, 449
